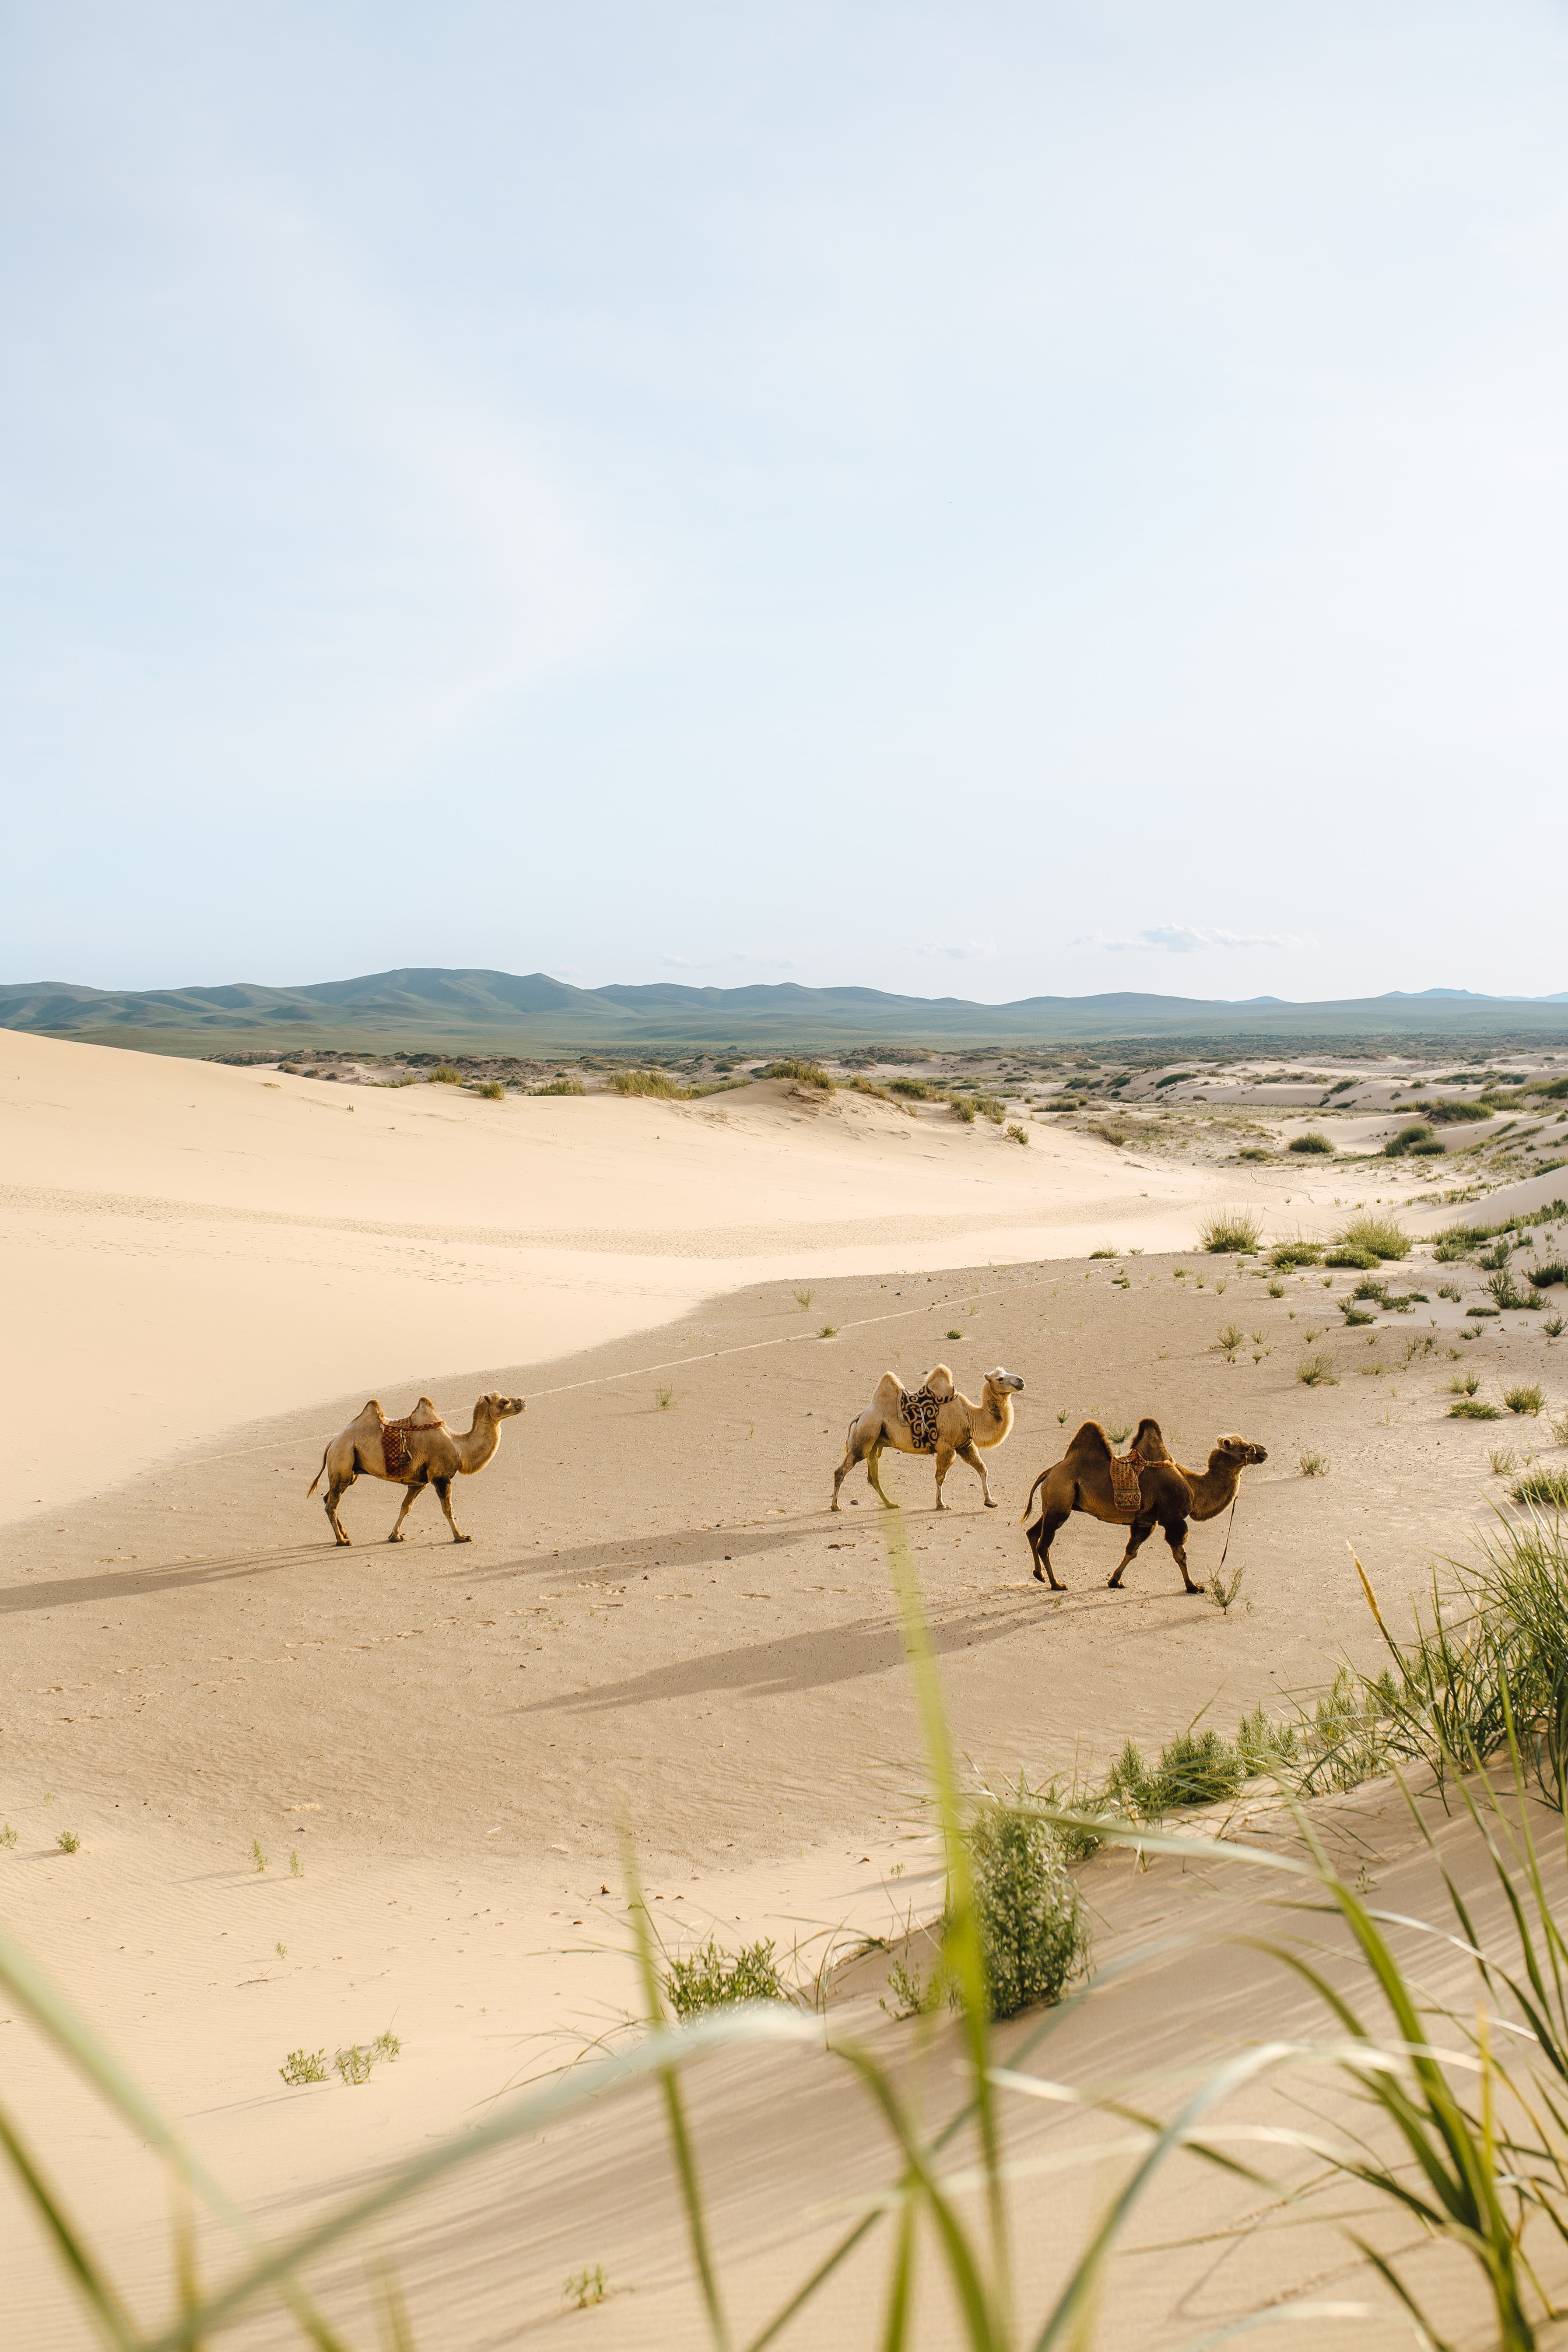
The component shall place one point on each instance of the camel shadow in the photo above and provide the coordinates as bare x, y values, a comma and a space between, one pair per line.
796, 1662
134, 1581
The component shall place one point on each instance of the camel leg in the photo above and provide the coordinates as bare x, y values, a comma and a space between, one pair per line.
410, 1498
969, 1451
1137, 1536
1041, 1537
1176, 1537
851, 1455
945, 1460
331, 1498
872, 1458
444, 1495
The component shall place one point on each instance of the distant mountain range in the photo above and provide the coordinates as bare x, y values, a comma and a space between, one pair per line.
501, 1012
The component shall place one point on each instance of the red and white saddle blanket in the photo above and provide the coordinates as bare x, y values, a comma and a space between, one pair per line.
394, 1443
919, 1409
1126, 1490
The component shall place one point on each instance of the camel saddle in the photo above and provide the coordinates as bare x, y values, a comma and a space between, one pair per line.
1126, 1477
394, 1443
919, 1409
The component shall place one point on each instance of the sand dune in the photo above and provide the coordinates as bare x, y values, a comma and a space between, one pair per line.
658, 1619
200, 1246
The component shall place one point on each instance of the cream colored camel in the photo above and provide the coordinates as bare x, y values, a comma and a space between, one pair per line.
962, 1428
424, 1450
1168, 1495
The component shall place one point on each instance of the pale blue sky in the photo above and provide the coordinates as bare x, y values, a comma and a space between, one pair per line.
977, 499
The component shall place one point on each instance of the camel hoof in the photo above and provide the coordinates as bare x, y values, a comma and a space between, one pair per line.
1196, 1588
394, 1537
1039, 1576
991, 1502
456, 1539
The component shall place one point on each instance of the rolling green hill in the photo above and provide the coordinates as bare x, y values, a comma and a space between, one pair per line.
502, 1012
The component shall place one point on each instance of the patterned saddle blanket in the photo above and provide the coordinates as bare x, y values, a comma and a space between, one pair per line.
919, 1409
1126, 1488
394, 1443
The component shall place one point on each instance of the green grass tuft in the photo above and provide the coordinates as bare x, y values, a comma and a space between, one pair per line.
1312, 1142
1472, 1409
1383, 1237
1235, 1231
711, 1979
1525, 1398
1317, 1373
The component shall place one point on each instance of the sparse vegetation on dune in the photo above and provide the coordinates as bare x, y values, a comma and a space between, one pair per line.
1384, 1237
807, 1074
1235, 1231
657, 1083
1313, 1143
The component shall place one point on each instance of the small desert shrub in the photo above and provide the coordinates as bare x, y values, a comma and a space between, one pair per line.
710, 1978
1450, 1113
1276, 1290
304, 2066
1465, 1383
828, 1331
355, 2063
1418, 1132
1232, 1230
1504, 1461
444, 1075
1524, 1399
562, 1086
68, 1841
863, 1086
803, 1299
387, 2047
808, 1074
955, 1335
1311, 1142
1299, 1250
258, 1859
1103, 1253
1027, 1911
1554, 1327
296, 1867
1200, 1769
584, 2288
1312, 1464
1450, 1290
1546, 1488
1543, 1276
912, 1089
990, 1108
1016, 1131
1317, 1373
1352, 1253
1229, 1340
492, 1090
963, 1107
1355, 1314
1482, 1315
657, 1083
1472, 1409
1254, 1151
1383, 1237
664, 1398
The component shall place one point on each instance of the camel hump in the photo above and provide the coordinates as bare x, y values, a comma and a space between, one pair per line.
938, 1382
371, 1410
425, 1411
1090, 1438
1149, 1443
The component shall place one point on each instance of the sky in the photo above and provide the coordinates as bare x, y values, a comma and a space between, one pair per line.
980, 500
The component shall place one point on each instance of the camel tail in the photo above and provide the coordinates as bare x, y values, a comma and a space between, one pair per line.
317, 1479
1034, 1490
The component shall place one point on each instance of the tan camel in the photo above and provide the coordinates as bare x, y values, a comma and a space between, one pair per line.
953, 1428
1168, 1494
419, 1452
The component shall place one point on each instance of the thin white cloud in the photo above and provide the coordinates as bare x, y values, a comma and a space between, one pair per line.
731, 957
1186, 939
960, 951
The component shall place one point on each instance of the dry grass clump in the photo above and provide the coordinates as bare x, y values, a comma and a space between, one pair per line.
1473, 1409
562, 1084
1312, 1464
1545, 1486
1312, 1142
1236, 1231
444, 1075
1383, 1237
1296, 1250
657, 1083
1525, 1398
492, 1090
1017, 1132
808, 1074
1317, 1373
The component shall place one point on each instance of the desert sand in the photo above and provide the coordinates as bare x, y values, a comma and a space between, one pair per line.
394, 1781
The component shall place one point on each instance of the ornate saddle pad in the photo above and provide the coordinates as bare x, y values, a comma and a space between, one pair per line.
394, 1443
1126, 1490
919, 1409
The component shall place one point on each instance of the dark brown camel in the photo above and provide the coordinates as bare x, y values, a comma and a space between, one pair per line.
1168, 1494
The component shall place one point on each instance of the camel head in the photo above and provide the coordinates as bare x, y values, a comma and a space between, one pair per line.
1240, 1451
499, 1408
1003, 1382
